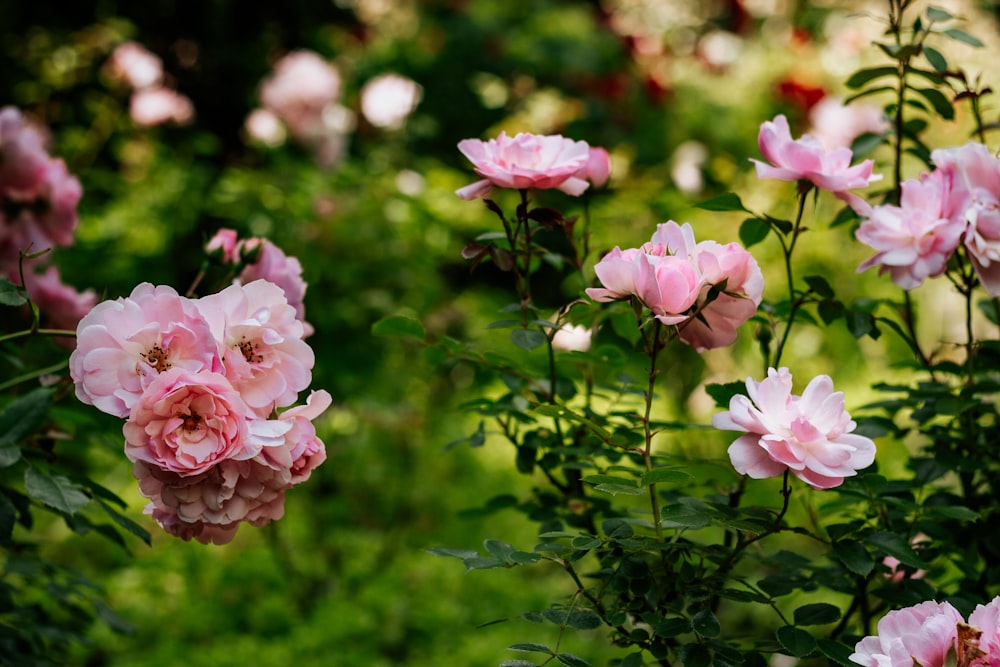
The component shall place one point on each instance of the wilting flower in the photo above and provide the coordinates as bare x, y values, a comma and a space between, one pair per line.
388, 99
159, 105
915, 239
973, 174
572, 338
933, 634
136, 65
525, 161
706, 289
264, 355
809, 435
806, 159
123, 345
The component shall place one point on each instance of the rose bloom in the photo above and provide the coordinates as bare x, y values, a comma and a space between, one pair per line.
915, 239
987, 619
923, 634
810, 435
837, 125
264, 355
525, 161
301, 86
389, 99
806, 159
137, 66
268, 262
572, 338
123, 345
974, 201
159, 105
303, 450
597, 170
188, 422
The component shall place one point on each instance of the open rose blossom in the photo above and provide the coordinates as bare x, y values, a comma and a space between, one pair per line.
681, 282
806, 159
809, 435
915, 239
526, 161
933, 634
122, 345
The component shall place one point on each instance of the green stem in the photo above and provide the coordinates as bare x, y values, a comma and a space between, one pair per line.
788, 249
37, 332
35, 374
647, 454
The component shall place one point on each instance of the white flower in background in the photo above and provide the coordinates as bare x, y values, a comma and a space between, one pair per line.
388, 99
572, 338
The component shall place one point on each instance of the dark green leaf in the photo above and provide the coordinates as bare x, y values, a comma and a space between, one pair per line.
619, 489
518, 663
964, 37
942, 105
671, 627
11, 294
530, 647
706, 624
820, 286
861, 77
896, 546
8, 517
753, 231
112, 619
839, 652
819, 613
854, 556
955, 512
399, 325
528, 339
665, 475
938, 14
727, 201
723, 393
632, 660
453, 553
695, 655
685, 516
585, 542
864, 144
936, 60
126, 523
798, 643
23, 416
572, 660
55, 491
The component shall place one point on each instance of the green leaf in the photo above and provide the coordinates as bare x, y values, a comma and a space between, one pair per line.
727, 201
861, 77
518, 663
664, 475
126, 523
820, 286
561, 412
896, 546
22, 416
936, 60
938, 14
11, 294
706, 624
722, 394
819, 613
964, 37
671, 627
8, 517
578, 619
854, 556
685, 516
529, 647
695, 655
452, 553
528, 339
619, 489
942, 105
839, 652
399, 325
55, 491
798, 643
753, 231
954, 512
572, 660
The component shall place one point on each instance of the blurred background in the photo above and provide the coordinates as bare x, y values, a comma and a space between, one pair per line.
358, 183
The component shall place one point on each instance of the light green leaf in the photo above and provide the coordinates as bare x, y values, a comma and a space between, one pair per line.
665, 475
727, 201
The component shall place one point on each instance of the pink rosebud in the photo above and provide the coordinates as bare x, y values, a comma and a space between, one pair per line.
268, 262
525, 161
389, 99
264, 355
598, 167
923, 634
810, 435
973, 174
805, 159
914, 240
224, 243
137, 66
123, 345
156, 106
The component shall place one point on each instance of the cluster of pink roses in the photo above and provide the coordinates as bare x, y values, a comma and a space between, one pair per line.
706, 289
200, 382
956, 204
153, 102
934, 634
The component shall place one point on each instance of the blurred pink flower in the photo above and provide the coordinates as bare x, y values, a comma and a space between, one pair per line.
810, 435
159, 105
525, 161
597, 170
837, 125
270, 263
973, 173
572, 338
301, 86
264, 355
188, 422
389, 99
134, 64
265, 127
123, 345
61, 305
224, 243
914, 240
923, 634
805, 159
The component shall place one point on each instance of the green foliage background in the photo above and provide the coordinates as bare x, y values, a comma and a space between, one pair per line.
345, 578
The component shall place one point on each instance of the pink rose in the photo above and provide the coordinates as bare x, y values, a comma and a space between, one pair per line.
263, 353
806, 159
923, 634
305, 450
987, 619
159, 105
525, 161
301, 87
668, 285
914, 240
597, 170
137, 66
123, 345
188, 422
616, 273
973, 174
270, 263
810, 435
